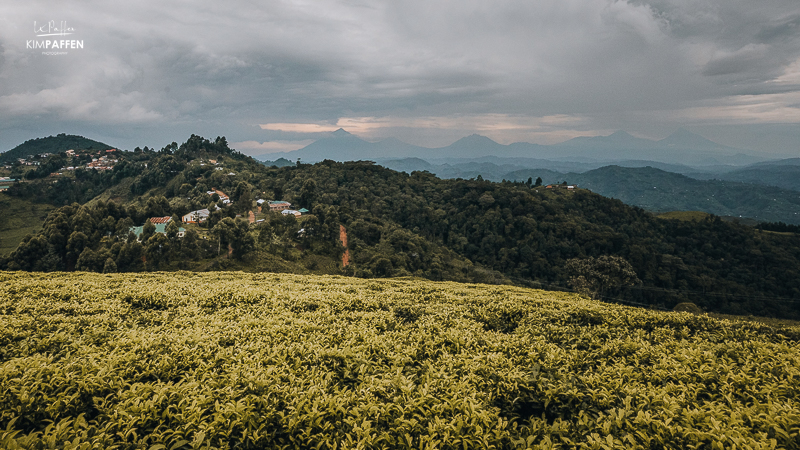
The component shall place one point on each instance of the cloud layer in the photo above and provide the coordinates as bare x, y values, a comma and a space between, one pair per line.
270, 73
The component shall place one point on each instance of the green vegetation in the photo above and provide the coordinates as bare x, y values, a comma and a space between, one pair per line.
400, 225
778, 227
52, 144
18, 218
233, 360
689, 216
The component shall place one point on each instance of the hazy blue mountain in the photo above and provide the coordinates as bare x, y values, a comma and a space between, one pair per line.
784, 173
686, 139
534, 163
407, 164
339, 146
473, 146
280, 162
657, 190
779, 162
496, 169
680, 148
616, 140
465, 169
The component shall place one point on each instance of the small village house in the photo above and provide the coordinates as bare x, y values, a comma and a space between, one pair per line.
225, 199
287, 212
279, 205
199, 216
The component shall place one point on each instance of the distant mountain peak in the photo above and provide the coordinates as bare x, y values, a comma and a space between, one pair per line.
340, 133
620, 134
476, 138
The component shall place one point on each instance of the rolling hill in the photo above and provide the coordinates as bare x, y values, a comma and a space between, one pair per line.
783, 173
52, 144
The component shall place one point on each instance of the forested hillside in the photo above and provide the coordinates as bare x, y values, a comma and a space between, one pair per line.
401, 224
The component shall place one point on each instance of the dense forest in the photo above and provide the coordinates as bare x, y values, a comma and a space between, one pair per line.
401, 224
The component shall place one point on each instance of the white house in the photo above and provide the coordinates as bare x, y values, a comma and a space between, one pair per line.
201, 215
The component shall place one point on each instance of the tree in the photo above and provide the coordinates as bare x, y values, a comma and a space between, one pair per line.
90, 261
224, 231
538, 181
308, 193
29, 251
242, 199
172, 230
110, 266
148, 230
156, 250
130, 256
157, 206
601, 276
75, 245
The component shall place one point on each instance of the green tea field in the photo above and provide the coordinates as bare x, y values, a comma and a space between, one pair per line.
250, 361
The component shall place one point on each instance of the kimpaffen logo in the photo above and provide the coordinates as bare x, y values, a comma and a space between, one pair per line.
53, 47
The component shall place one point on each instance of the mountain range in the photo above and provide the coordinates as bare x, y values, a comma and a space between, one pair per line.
681, 147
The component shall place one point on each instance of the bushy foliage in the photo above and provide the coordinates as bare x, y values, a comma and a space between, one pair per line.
234, 360
601, 276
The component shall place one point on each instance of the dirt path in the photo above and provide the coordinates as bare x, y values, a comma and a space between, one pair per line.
343, 238
252, 217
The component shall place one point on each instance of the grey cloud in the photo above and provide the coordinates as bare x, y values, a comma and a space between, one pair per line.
170, 68
781, 30
743, 60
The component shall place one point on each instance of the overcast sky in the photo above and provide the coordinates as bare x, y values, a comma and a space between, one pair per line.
275, 75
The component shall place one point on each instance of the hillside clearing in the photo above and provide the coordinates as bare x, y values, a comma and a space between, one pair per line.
18, 219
